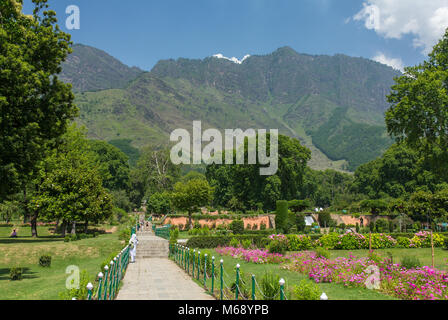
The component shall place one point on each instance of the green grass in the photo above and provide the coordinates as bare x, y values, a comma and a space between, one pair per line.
423, 254
41, 283
334, 291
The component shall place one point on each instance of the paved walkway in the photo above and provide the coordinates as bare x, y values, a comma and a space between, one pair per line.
159, 279
155, 277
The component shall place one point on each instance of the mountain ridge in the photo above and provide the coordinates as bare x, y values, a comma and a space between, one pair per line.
333, 104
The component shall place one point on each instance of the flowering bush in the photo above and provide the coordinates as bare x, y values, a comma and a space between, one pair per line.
278, 243
403, 242
383, 241
423, 240
299, 242
352, 241
328, 241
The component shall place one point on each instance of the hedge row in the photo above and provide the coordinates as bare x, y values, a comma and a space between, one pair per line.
210, 242
196, 217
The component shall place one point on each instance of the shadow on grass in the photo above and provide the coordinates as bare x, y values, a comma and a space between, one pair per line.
30, 239
27, 274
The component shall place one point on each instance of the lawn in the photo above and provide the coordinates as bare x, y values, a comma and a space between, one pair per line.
334, 291
45, 283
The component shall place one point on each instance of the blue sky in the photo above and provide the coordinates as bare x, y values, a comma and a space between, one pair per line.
142, 32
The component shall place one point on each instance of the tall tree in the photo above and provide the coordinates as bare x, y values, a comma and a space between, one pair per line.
419, 113
113, 165
154, 173
70, 186
191, 196
35, 106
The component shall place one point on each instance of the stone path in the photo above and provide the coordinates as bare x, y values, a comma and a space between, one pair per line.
159, 279
155, 277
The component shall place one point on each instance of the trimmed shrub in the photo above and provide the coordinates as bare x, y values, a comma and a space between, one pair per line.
237, 226
15, 274
45, 261
201, 242
281, 215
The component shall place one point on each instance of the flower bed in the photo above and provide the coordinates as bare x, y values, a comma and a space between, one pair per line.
415, 284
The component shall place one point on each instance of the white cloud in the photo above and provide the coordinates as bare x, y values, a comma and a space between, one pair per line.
395, 63
425, 20
233, 59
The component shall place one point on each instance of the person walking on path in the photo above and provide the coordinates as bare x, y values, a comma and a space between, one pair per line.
133, 243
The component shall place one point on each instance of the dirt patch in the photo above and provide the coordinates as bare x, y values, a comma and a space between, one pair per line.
112, 230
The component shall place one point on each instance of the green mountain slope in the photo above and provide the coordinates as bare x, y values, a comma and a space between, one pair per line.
91, 69
334, 104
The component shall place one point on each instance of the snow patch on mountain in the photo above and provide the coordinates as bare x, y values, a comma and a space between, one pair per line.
233, 59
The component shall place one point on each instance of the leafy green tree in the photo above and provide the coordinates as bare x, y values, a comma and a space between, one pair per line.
112, 164
154, 173
35, 105
8, 209
69, 187
121, 200
374, 206
191, 196
245, 183
397, 174
159, 203
418, 114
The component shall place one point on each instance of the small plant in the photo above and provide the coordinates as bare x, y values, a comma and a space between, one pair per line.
410, 262
270, 285
174, 235
45, 261
246, 244
322, 253
262, 226
234, 243
15, 274
307, 290
67, 239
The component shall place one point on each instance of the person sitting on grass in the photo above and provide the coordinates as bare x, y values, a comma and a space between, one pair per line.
14, 234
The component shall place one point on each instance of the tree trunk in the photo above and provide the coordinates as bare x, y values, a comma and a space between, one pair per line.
190, 222
25, 206
86, 226
34, 224
74, 228
63, 228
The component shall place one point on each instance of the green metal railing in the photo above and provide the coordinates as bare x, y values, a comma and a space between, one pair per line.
163, 232
213, 278
109, 282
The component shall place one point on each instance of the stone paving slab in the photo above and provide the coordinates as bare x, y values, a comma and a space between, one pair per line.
159, 279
